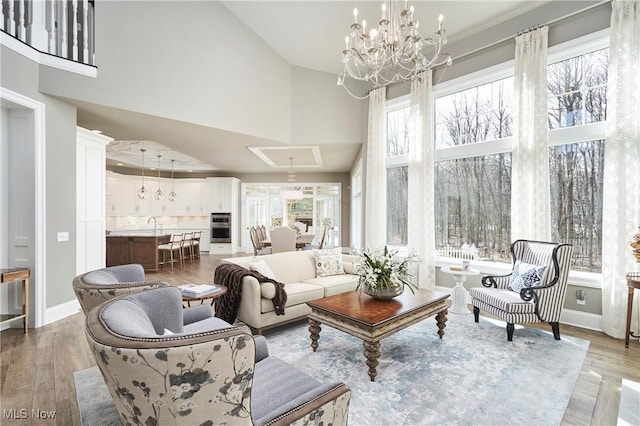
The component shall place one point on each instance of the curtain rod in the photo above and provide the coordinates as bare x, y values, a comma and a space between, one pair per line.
511, 37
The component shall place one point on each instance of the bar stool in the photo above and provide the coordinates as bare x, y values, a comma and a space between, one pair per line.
194, 252
174, 245
185, 248
633, 283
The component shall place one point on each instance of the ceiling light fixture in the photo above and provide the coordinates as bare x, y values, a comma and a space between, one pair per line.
159, 194
292, 193
172, 195
393, 52
142, 192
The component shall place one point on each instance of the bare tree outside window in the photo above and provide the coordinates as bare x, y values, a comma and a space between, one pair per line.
577, 96
397, 176
473, 195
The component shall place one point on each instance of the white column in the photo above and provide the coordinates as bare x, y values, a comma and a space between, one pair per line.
75, 30
85, 32
51, 27
38, 25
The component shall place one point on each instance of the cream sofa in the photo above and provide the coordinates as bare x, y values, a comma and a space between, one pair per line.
297, 271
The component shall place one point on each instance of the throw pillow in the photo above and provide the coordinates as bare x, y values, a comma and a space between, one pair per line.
525, 275
261, 267
328, 262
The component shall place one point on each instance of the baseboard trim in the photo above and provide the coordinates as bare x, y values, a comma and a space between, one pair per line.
61, 311
581, 319
568, 317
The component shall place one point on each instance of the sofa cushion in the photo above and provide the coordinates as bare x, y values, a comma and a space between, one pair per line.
335, 284
328, 262
261, 267
208, 324
291, 266
297, 293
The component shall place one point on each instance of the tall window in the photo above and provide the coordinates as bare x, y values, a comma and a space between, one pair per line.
397, 174
473, 185
577, 106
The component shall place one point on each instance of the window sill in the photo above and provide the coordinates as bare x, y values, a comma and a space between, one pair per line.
576, 278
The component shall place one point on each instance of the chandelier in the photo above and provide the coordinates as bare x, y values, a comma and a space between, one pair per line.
292, 193
172, 195
393, 52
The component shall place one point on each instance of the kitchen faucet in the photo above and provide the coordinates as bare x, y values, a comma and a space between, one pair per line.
155, 223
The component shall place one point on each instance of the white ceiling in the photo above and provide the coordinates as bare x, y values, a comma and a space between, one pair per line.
307, 34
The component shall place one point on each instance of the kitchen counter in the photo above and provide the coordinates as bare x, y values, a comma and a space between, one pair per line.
135, 247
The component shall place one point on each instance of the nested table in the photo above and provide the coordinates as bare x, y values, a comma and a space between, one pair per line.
372, 320
213, 296
12, 275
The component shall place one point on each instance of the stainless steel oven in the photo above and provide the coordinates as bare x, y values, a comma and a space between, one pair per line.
221, 227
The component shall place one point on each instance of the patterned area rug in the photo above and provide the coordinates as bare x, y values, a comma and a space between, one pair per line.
473, 376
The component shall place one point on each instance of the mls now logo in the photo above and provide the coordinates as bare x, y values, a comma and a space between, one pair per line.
23, 413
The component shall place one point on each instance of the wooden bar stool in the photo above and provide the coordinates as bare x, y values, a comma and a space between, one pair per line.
633, 283
168, 249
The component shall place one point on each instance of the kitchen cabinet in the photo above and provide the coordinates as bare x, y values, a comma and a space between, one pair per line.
142, 249
224, 194
122, 199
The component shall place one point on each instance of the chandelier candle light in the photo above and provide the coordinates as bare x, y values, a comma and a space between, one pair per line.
292, 193
142, 192
391, 53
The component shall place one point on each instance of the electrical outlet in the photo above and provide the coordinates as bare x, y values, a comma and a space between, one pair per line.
63, 236
581, 297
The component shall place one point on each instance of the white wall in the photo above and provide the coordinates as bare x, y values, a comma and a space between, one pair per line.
192, 61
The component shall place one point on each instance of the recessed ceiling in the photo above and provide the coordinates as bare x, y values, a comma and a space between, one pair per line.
284, 157
128, 153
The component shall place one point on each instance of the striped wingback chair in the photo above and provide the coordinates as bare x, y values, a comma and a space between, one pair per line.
534, 291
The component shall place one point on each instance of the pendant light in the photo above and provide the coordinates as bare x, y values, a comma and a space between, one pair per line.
142, 192
172, 195
292, 193
159, 194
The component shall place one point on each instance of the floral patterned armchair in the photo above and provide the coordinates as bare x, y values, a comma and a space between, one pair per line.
162, 369
95, 287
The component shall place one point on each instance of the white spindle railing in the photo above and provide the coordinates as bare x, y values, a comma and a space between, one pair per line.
58, 27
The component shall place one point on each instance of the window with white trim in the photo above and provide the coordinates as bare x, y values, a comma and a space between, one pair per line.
397, 125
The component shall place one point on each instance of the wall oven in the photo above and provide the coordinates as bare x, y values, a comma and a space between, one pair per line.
221, 227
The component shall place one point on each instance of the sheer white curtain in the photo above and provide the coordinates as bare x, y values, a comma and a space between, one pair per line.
420, 191
375, 225
530, 192
621, 197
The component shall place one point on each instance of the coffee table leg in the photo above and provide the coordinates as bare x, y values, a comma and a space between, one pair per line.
372, 353
441, 319
314, 330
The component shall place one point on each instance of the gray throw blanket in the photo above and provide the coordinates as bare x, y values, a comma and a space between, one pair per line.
231, 276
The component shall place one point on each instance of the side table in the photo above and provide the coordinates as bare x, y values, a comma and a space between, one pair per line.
213, 296
633, 283
459, 293
17, 274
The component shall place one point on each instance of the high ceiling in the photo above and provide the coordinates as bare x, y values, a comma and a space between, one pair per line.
307, 34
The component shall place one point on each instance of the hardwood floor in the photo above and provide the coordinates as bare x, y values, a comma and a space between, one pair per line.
36, 370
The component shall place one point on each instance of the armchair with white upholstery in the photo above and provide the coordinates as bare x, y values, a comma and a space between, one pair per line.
533, 292
96, 287
163, 369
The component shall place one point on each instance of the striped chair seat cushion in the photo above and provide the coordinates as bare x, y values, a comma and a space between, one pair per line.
504, 300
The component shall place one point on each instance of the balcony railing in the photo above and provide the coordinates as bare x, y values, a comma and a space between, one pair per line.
61, 28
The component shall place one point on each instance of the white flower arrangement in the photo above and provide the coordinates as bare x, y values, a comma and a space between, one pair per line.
384, 269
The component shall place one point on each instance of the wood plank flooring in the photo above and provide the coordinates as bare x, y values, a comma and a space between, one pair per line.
36, 370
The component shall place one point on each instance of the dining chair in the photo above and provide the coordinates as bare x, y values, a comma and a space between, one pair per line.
283, 239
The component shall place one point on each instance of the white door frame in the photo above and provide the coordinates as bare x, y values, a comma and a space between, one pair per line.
38, 108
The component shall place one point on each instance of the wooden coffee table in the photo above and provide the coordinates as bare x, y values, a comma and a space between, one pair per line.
372, 320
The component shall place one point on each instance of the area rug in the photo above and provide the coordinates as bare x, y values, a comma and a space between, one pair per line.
472, 376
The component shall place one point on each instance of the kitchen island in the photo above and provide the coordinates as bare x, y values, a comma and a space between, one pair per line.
139, 248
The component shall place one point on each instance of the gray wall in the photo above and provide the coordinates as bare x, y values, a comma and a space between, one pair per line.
22, 75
